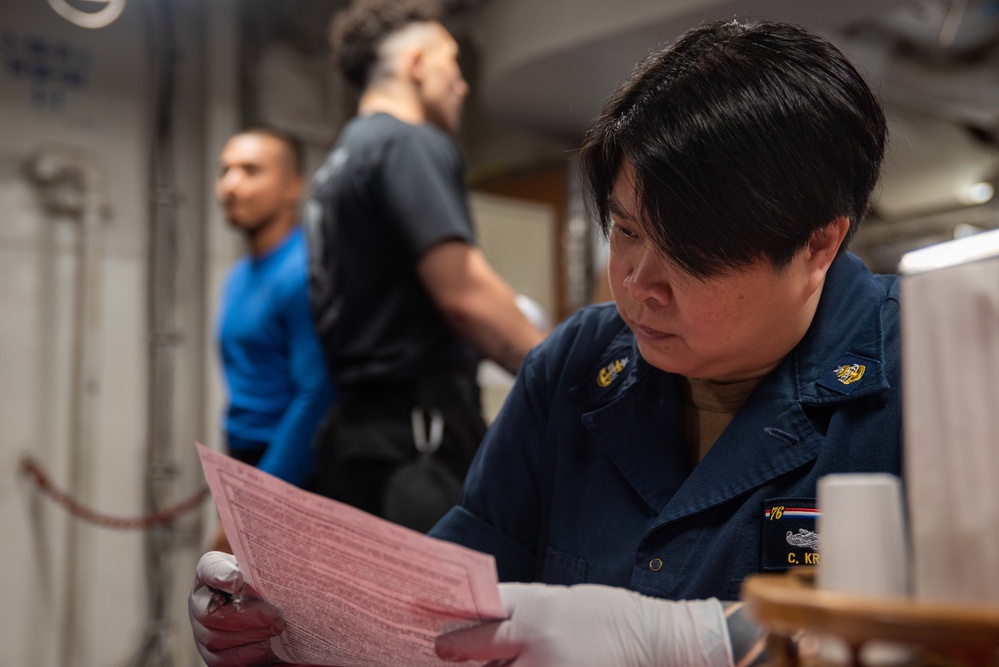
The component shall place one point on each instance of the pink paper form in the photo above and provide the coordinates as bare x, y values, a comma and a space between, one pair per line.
356, 590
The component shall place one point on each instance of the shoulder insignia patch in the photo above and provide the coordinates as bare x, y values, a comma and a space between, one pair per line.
848, 374
611, 372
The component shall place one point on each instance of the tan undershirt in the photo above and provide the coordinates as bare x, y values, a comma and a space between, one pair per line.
708, 408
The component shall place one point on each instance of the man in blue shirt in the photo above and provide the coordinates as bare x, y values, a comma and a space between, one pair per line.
274, 366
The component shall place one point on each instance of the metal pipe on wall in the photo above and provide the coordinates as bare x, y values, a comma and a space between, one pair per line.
161, 467
72, 182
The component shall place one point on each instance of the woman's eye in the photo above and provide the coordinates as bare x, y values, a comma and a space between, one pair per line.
627, 233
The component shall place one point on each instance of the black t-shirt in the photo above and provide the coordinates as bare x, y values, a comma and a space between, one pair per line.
387, 193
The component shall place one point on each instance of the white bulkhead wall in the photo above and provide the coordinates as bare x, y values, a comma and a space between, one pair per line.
76, 593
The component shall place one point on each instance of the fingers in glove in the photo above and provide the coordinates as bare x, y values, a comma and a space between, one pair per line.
253, 618
489, 641
512, 595
219, 570
247, 655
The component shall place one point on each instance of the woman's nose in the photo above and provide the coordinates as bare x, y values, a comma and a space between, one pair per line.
647, 279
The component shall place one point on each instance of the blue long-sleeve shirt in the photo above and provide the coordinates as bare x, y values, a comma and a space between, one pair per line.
274, 367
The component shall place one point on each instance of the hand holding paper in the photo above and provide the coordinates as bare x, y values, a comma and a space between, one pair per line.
594, 626
230, 635
352, 589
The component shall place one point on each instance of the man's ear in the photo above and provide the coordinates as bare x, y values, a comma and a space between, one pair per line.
413, 63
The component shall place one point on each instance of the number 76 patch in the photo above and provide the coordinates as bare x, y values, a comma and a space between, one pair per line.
789, 537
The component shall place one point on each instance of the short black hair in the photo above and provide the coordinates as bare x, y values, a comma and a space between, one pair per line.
745, 139
357, 32
294, 146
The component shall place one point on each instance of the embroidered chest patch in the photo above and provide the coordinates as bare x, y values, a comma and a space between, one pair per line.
789, 537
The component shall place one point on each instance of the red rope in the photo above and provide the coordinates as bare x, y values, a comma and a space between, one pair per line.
36, 473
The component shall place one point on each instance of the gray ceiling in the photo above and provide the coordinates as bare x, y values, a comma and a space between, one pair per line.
547, 65
910, 45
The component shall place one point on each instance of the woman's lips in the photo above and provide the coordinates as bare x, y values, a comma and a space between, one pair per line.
650, 335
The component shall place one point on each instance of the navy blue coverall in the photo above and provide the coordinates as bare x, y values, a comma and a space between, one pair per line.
583, 477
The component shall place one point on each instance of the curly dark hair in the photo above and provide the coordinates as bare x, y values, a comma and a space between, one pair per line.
357, 32
293, 146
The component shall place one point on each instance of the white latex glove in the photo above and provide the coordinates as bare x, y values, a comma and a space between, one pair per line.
594, 626
237, 633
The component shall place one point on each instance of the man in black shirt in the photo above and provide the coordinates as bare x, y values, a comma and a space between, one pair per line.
404, 301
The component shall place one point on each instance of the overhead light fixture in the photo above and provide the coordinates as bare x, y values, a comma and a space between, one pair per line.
964, 229
949, 253
978, 193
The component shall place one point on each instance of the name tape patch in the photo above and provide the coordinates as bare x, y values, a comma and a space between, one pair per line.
789, 537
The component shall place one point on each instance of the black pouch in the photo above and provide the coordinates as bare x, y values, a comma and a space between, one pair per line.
422, 490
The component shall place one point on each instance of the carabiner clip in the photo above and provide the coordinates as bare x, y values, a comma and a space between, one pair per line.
427, 443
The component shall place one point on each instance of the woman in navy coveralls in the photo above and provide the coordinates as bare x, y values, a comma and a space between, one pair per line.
729, 171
